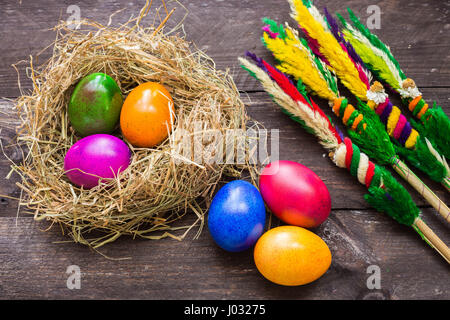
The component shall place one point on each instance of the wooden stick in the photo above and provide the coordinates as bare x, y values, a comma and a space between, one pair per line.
433, 239
446, 183
402, 169
447, 187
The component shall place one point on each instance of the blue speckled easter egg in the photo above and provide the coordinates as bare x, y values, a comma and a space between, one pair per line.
237, 216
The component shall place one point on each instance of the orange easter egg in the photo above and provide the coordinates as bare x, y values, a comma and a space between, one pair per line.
147, 115
291, 256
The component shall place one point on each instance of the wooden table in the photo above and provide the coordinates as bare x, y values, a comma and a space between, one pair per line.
33, 265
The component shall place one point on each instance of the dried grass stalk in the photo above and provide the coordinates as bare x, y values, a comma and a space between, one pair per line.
157, 188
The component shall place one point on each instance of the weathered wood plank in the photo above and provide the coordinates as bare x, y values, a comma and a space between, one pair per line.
34, 266
8, 152
295, 144
416, 31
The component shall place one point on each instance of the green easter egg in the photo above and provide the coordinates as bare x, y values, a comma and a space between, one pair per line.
95, 105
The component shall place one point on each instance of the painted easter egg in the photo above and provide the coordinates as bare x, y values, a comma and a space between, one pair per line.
295, 194
291, 256
237, 216
147, 115
95, 105
95, 157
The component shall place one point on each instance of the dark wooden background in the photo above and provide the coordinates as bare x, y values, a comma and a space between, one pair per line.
33, 264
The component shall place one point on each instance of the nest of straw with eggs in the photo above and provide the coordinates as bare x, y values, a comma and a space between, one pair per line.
159, 187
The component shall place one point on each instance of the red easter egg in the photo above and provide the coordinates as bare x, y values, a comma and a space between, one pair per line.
295, 194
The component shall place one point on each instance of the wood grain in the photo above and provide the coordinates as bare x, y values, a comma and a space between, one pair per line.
33, 265
295, 144
226, 29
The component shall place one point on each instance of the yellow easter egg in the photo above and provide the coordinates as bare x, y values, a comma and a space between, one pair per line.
291, 256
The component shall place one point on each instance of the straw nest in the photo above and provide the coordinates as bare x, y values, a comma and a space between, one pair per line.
159, 186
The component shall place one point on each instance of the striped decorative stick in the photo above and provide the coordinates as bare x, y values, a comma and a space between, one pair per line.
430, 122
396, 123
385, 193
323, 36
364, 127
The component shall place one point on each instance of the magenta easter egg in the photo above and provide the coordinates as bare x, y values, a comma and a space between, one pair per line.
295, 194
95, 157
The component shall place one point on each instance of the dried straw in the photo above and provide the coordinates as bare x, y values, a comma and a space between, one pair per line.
159, 186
